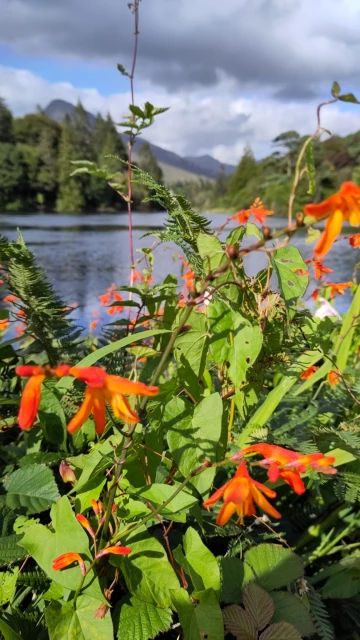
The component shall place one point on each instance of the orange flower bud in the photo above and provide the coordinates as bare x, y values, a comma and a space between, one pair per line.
67, 474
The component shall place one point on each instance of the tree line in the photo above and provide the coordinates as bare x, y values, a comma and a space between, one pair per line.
35, 163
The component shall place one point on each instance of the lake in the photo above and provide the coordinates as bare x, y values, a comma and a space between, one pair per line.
84, 254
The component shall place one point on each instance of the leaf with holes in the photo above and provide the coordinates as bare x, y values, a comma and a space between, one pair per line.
280, 631
32, 487
239, 622
258, 604
287, 261
247, 342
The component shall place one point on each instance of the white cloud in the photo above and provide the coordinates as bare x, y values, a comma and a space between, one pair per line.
198, 121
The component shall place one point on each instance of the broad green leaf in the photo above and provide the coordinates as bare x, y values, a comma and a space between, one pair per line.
272, 566
189, 348
139, 620
8, 632
204, 569
220, 320
32, 487
252, 230
349, 97
211, 251
280, 631
66, 623
232, 576
194, 438
201, 621
258, 604
147, 571
52, 417
239, 623
286, 262
291, 609
67, 535
312, 235
143, 352
346, 587
95, 464
8, 585
247, 342
159, 493
10, 551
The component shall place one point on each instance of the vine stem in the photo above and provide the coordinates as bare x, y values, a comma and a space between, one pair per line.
135, 10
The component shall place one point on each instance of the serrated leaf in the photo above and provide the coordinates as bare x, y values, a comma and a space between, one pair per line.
232, 575
32, 487
335, 89
66, 623
8, 585
272, 566
147, 571
203, 568
194, 438
239, 622
136, 111
280, 631
286, 262
291, 609
258, 604
143, 352
10, 551
139, 620
201, 621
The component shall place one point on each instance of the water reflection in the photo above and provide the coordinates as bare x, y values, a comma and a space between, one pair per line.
84, 254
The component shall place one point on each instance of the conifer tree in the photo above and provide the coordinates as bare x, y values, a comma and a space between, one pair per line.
69, 197
6, 123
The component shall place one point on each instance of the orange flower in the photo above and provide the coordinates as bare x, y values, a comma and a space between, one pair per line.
66, 559
239, 494
241, 216
94, 324
10, 298
256, 209
103, 388
287, 464
117, 550
315, 294
97, 507
338, 288
354, 240
30, 399
189, 276
333, 377
104, 299
319, 268
308, 372
344, 205
85, 523
4, 324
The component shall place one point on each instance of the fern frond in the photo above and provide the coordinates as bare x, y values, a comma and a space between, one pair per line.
320, 616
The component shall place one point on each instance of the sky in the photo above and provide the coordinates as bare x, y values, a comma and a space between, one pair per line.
233, 72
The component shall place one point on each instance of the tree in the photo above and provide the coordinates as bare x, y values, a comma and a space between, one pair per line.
290, 141
246, 171
30, 129
147, 162
13, 178
107, 143
221, 183
69, 197
6, 123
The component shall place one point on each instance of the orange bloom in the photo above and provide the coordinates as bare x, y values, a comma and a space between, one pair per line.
97, 507
117, 550
354, 240
10, 298
308, 372
256, 209
30, 399
94, 324
319, 268
333, 377
134, 276
239, 494
85, 523
4, 324
103, 388
344, 205
241, 216
287, 464
104, 299
66, 559
338, 288
189, 276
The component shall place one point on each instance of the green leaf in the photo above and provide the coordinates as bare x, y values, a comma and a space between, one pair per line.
310, 168
8, 633
312, 235
66, 623
348, 97
220, 319
159, 493
239, 623
286, 262
335, 89
122, 70
203, 568
136, 111
32, 487
346, 587
289, 608
143, 352
232, 576
8, 585
52, 417
211, 251
202, 621
272, 566
252, 230
247, 343
140, 620
280, 631
189, 348
67, 535
194, 438
259, 605
10, 550
147, 572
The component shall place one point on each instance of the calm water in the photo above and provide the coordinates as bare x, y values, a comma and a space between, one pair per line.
84, 254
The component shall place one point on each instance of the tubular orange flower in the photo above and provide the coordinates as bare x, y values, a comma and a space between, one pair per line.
86, 524
315, 294
287, 464
117, 550
30, 399
333, 377
256, 209
66, 559
241, 216
354, 240
189, 276
344, 205
308, 372
239, 494
4, 324
338, 288
103, 388
319, 268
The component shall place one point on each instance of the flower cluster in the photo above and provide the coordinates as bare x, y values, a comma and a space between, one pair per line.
241, 493
109, 298
101, 388
256, 210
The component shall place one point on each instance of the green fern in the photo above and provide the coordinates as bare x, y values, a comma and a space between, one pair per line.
320, 616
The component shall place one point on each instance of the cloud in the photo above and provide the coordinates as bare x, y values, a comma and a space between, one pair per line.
219, 123
290, 47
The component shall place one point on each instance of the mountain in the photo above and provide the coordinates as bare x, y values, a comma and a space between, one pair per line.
203, 166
